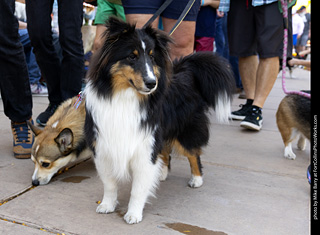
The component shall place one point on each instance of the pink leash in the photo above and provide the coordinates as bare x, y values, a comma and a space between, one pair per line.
284, 6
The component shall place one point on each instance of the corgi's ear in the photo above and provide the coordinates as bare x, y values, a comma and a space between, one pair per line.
36, 130
65, 140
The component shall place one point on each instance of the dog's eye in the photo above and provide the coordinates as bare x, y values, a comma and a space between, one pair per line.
45, 164
132, 57
151, 54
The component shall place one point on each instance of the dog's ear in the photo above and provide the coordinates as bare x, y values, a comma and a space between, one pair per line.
162, 38
117, 27
36, 130
65, 140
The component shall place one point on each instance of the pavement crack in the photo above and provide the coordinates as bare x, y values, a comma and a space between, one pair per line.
30, 224
35, 226
4, 201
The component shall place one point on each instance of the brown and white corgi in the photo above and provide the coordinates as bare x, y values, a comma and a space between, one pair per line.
293, 119
60, 142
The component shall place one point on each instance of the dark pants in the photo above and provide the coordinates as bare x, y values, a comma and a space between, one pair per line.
256, 30
64, 77
33, 68
14, 80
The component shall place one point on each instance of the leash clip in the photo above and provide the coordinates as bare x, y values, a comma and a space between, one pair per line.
79, 100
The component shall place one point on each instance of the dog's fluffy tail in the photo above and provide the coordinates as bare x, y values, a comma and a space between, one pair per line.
214, 78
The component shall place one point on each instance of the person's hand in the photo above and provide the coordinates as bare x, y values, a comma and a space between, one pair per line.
220, 13
22, 25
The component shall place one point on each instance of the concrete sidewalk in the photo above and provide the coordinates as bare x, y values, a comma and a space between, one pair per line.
249, 187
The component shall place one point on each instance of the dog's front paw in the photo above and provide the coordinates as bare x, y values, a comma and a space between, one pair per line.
195, 181
132, 218
288, 153
105, 208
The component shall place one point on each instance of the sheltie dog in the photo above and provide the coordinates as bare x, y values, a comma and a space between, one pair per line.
293, 120
139, 106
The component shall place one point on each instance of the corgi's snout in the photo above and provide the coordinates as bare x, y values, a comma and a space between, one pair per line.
35, 182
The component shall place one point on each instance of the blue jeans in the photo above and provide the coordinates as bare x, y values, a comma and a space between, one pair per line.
64, 77
14, 81
222, 47
221, 37
33, 68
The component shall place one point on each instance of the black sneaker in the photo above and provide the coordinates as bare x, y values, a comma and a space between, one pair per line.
44, 116
253, 121
241, 113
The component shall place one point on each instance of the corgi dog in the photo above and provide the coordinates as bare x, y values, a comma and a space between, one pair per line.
140, 105
293, 120
89, 13
60, 142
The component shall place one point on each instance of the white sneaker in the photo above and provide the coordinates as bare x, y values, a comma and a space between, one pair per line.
38, 90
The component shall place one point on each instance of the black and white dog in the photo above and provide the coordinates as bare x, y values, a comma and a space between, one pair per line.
139, 105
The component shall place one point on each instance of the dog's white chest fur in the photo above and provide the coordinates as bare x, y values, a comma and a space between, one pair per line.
120, 137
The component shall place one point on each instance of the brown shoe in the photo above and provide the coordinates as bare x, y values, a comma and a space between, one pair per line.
22, 139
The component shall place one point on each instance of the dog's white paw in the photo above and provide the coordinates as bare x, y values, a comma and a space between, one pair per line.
164, 173
132, 218
195, 181
288, 153
105, 208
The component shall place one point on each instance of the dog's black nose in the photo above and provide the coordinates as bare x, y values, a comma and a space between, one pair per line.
35, 182
150, 83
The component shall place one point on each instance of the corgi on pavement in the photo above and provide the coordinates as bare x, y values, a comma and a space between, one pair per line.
60, 142
293, 120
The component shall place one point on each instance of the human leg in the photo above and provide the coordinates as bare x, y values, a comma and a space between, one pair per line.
258, 91
104, 11
240, 25
39, 28
184, 34
98, 42
269, 24
140, 19
14, 81
220, 37
268, 38
248, 67
266, 76
183, 37
33, 68
72, 66
139, 12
